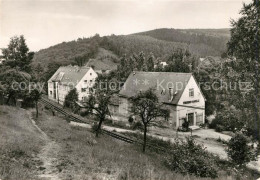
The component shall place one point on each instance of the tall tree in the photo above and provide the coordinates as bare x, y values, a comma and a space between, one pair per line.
178, 61
243, 48
17, 54
148, 108
150, 63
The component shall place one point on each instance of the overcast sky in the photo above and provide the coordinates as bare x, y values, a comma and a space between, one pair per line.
47, 22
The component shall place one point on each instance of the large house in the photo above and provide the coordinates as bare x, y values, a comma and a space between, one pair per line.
101, 66
178, 92
69, 77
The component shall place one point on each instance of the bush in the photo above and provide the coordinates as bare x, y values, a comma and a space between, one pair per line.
239, 151
219, 128
84, 113
185, 126
215, 122
137, 125
94, 127
130, 119
229, 119
187, 157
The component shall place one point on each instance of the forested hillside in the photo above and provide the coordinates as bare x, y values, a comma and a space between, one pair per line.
160, 42
214, 40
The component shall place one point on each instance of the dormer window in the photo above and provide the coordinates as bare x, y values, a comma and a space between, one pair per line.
191, 92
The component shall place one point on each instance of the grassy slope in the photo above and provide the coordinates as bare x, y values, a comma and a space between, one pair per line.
83, 156
19, 144
80, 155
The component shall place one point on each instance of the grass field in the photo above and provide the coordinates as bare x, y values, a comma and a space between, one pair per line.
69, 152
20, 142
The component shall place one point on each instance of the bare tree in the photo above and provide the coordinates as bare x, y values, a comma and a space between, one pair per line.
98, 104
148, 108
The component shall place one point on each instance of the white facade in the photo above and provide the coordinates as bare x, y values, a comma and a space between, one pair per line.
191, 105
86, 83
187, 102
57, 90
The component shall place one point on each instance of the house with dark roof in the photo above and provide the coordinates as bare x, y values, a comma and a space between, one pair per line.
69, 77
178, 92
100, 66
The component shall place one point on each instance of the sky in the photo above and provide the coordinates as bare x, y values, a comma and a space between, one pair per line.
48, 22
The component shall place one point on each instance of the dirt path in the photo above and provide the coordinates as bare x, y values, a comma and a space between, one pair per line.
48, 156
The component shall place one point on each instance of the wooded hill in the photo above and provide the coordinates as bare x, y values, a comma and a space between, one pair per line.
160, 42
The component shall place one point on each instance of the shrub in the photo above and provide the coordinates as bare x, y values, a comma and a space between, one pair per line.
71, 98
219, 128
239, 151
185, 124
130, 119
187, 157
94, 127
229, 119
84, 113
215, 122
137, 125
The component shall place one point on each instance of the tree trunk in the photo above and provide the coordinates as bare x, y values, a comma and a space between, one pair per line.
145, 130
99, 127
36, 107
9, 97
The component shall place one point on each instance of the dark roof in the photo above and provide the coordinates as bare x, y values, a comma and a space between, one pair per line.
164, 84
100, 65
69, 74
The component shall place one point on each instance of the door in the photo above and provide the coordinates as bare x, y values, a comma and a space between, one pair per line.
54, 90
191, 119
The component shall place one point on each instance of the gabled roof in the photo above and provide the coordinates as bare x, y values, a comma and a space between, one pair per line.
69, 74
168, 86
100, 65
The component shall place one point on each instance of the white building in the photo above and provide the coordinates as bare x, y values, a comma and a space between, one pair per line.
68, 77
178, 92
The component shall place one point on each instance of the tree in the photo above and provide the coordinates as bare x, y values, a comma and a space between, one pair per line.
239, 151
140, 59
14, 83
148, 108
243, 48
17, 54
178, 61
38, 71
35, 96
150, 63
71, 98
98, 104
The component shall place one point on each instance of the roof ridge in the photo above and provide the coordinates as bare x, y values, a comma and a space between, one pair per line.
161, 72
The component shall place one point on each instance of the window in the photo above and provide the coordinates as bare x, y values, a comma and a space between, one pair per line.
50, 92
83, 89
90, 74
191, 92
85, 81
90, 81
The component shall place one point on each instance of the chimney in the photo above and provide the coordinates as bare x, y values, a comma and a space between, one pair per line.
172, 94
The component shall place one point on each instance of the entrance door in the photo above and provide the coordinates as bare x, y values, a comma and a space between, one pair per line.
191, 119
54, 90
